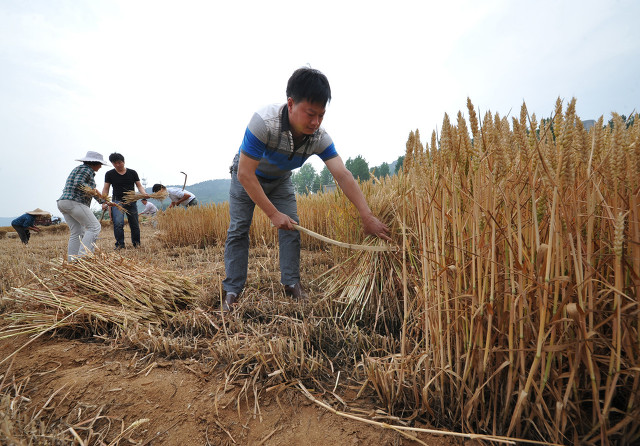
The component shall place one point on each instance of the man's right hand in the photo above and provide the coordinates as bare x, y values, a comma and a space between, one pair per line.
104, 206
283, 221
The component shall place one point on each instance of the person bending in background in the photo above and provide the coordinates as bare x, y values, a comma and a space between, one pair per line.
74, 204
278, 139
27, 222
149, 208
177, 196
123, 180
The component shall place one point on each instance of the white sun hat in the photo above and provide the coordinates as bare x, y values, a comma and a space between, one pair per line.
93, 157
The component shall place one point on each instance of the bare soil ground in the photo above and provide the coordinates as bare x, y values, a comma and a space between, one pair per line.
87, 384
183, 402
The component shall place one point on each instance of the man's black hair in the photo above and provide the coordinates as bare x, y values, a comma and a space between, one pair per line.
92, 163
309, 84
156, 187
115, 156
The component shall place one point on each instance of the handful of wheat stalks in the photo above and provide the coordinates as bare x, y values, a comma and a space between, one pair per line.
131, 196
94, 193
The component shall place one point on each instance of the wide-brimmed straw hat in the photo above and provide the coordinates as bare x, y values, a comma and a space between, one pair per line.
93, 157
38, 211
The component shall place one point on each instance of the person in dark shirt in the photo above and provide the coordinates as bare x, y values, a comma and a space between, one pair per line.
27, 222
123, 180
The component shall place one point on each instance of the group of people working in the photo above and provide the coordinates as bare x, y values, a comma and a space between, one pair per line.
74, 204
278, 139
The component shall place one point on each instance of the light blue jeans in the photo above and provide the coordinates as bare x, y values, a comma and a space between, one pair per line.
236, 251
84, 228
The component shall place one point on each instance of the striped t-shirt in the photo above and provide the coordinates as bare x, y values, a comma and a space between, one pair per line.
268, 139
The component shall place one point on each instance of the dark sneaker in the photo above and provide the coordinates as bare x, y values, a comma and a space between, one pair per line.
295, 291
229, 301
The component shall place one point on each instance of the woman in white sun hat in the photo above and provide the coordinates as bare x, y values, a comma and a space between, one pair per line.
74, 204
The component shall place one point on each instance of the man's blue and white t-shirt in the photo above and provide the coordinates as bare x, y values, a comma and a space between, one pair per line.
268, 139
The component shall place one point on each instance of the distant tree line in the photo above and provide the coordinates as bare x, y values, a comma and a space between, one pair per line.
307, 180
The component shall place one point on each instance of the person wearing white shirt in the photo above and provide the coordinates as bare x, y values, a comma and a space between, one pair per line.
178, 196
149, 208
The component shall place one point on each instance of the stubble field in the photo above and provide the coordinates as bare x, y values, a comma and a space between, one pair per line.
66, 387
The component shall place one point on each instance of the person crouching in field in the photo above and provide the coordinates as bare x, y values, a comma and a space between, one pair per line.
177, 195
74, 204
27, 222
150, 209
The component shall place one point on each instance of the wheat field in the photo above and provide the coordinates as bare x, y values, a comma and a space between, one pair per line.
510, 308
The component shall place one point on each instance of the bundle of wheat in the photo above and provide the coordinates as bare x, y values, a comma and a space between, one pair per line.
367, 285
132, 196
94, 193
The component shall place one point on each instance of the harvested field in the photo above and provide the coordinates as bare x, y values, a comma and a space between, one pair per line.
105, 384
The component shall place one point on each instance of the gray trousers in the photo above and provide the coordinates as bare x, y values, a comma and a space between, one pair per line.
84, 228
236, 251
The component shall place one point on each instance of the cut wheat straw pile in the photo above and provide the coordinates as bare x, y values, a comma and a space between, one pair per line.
99, 291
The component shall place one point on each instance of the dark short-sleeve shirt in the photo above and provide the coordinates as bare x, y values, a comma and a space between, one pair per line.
121, 183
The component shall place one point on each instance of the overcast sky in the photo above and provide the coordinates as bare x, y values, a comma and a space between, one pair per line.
172, 85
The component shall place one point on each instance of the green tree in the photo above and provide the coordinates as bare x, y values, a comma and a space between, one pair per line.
358, 167
101, 215
316, 184
399, 163
628, 121
325, 177
382, 170
303, 179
